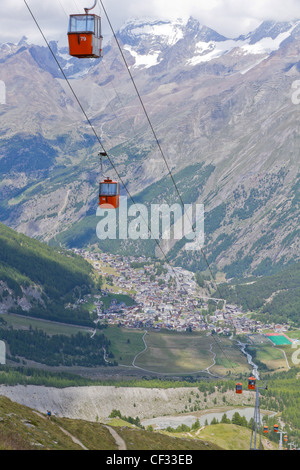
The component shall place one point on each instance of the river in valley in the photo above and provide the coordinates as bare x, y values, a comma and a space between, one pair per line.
249, 360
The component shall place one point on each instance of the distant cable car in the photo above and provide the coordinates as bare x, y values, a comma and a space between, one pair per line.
251, 383
109, 190
276, 427
84, 35
285, 438
109, 194
266, 429
239, 388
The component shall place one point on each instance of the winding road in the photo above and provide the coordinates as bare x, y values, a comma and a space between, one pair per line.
172, 373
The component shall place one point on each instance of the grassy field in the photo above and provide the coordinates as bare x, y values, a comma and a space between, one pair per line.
146, 440
275, 357
294, 334
51, 328
167, 352
186, 353
272, 357
125, 343
21, 428
227, 436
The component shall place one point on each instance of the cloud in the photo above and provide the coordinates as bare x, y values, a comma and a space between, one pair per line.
229, 17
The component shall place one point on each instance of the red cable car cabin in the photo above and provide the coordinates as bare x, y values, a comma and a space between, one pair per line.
251, 383
239, 388
275, 427
109, 194
266, 429
85, 40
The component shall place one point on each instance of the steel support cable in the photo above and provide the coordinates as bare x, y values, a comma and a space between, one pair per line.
155, 136
99, 140
156, 139
94, 131
141, 101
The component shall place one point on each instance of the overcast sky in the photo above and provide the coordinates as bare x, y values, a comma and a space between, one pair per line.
228, 17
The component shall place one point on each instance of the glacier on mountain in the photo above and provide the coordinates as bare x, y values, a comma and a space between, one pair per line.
146, 40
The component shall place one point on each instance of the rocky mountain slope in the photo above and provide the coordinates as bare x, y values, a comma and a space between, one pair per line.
224, 111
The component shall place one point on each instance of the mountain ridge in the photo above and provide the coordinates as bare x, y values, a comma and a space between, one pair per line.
235, 113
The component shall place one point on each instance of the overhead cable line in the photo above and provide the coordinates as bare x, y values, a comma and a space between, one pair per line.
93, 129
155, 137
100, 142
159, 147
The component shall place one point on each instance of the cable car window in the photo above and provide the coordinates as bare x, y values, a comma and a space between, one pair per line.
99, 23
108, 189
81, 23
90, 24
97, 27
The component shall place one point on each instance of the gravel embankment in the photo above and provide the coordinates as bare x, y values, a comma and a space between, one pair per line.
96, 402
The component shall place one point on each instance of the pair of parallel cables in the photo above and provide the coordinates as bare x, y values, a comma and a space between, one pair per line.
104, 152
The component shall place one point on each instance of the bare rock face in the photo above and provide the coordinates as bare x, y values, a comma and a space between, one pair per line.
227, 105
29, 295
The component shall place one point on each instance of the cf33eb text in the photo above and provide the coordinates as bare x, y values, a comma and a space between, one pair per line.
155, 459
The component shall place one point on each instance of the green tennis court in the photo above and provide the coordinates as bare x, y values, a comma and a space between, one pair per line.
279, 340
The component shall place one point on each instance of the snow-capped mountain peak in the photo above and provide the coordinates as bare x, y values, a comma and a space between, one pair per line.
147, 40
148, 29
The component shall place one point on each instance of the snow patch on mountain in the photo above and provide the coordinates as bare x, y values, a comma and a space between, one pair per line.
169, 33
146, 61
204, 52
268, 44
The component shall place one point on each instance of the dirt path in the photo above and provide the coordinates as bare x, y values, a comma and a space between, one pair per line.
74, 439
119, 441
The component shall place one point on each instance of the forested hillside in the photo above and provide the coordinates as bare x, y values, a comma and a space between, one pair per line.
40, 280
55, 350
276, 296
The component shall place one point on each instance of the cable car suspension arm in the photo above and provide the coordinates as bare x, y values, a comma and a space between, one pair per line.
91, 8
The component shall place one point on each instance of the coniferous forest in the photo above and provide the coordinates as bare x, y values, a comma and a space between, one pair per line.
282, 290
58, 276
75, 350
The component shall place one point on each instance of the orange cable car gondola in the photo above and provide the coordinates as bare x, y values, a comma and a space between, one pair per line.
266, 429
251, 383
239, 388
109, 190
84, 35
285, 438
276, 427
109, 194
